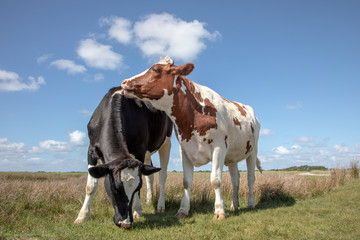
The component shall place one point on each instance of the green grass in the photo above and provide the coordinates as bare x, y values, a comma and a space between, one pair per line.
45, 208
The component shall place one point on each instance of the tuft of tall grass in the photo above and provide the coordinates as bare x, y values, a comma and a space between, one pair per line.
354, 168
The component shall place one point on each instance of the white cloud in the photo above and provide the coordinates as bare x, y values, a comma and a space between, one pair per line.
98, 77
283, 150
50, 155
305, 139
8, 147
93, 78
11, 82
341, 148
296, 106
266, 132
69, 66
357, 146
308, 151
99, 56
43, 58
164, 35
53, 145
120, 29
86, 113
77, 138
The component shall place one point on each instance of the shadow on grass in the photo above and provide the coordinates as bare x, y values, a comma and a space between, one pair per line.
168, 219
270, 198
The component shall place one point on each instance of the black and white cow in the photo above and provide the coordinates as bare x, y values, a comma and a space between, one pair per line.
123, 134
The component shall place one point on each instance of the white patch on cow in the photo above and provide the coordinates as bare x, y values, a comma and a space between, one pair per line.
175, 79
138, 75
183, 87
163, 104
131, 180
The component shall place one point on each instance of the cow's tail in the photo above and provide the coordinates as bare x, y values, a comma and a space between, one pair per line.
258, 165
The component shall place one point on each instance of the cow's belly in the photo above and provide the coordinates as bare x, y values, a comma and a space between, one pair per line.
198, 153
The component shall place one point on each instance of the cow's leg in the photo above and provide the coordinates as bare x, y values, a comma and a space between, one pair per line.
235, 180
218, 159
149, 180
91, 186
137, 208
188, 174
250, 162
164, 154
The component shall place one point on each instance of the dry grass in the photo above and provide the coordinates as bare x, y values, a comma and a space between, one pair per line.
354, 168
25, 196
274, 186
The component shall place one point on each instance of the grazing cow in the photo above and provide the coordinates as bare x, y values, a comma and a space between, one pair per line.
123, 134
208, 127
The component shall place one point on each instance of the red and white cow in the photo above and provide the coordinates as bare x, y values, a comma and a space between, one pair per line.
208, 127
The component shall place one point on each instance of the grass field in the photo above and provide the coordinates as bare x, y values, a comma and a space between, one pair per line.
288, 206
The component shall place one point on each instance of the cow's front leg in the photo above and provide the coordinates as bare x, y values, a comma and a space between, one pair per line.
188, 174
218, 159
91, 186
235, 180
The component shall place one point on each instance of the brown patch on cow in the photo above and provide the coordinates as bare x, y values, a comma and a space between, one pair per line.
240, 108
226, 141
237, 122
210, 141
189, 113
248, 147
204, 139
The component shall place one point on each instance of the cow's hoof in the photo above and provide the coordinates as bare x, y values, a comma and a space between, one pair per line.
136, 215
161, 210
125, 225
79, 220
219, 216
233, 208
181, 215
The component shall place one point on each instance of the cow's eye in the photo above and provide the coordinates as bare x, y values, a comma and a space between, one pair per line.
155, 70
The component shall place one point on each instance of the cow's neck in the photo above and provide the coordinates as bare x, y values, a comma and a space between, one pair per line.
190, 111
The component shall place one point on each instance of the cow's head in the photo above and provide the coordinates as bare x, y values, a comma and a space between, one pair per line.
122, 181
155, 82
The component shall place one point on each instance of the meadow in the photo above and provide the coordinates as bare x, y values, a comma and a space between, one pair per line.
288, 206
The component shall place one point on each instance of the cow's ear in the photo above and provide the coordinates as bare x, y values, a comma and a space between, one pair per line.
183, 70
99, 171
147, 169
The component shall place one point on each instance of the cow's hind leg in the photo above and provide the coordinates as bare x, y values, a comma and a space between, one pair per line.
250, 162
91, 186
235, 180
164, 154
218, 158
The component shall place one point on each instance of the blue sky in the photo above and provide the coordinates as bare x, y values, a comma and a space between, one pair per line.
297, 63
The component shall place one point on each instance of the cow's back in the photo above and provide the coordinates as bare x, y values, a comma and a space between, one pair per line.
120, 120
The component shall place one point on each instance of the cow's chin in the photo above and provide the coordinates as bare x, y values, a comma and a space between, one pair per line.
125, 224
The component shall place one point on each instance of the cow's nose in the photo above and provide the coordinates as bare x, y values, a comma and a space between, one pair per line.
124, 83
